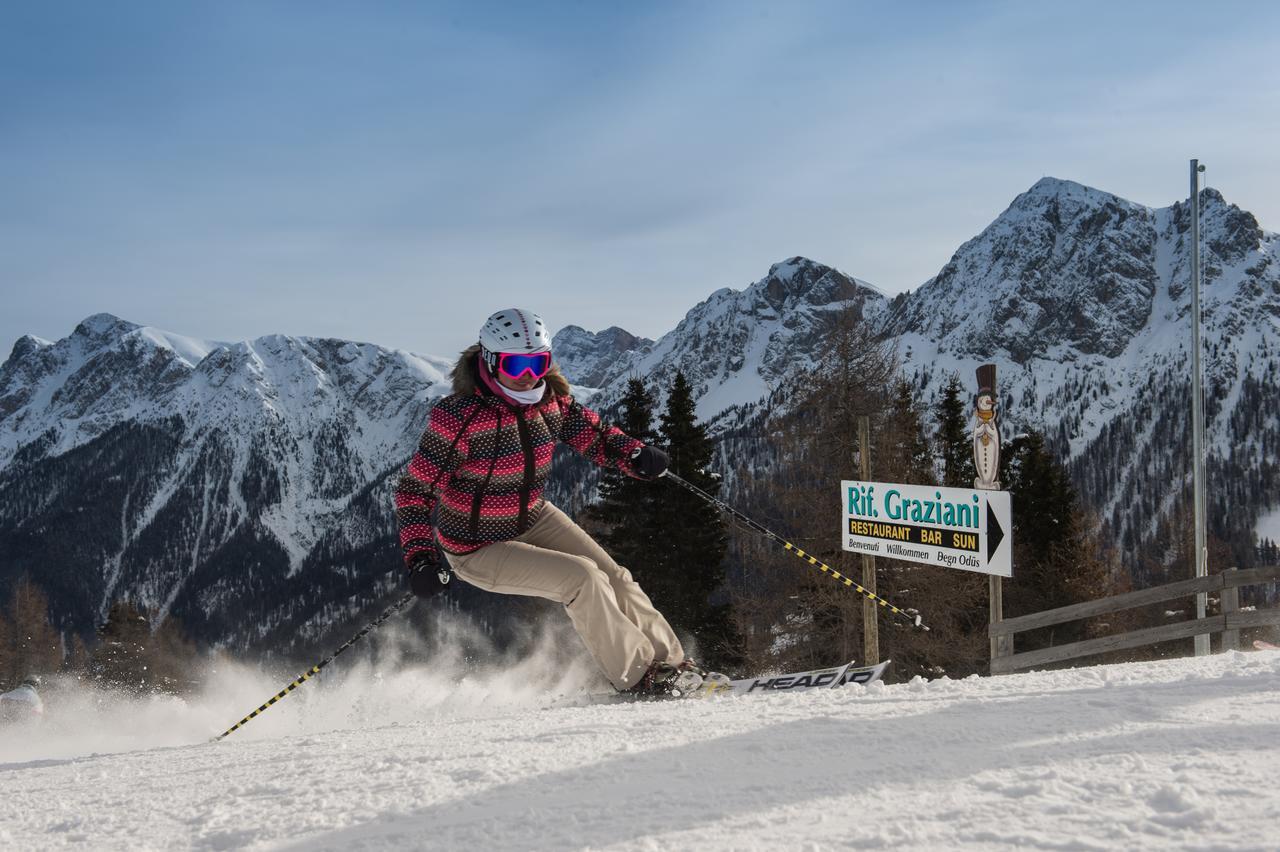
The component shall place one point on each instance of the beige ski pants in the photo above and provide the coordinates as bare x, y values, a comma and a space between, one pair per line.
556, 559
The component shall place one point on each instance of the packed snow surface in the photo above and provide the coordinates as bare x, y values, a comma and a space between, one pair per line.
1174, 754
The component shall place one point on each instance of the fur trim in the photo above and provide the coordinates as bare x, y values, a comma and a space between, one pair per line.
464, 376
557, 383
466, 379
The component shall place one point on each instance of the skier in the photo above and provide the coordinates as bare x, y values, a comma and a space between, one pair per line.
470, 504
22, 704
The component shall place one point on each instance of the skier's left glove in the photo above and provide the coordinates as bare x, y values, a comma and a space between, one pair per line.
649, 462
429, 577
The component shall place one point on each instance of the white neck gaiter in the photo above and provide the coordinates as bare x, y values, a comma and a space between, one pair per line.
530, 397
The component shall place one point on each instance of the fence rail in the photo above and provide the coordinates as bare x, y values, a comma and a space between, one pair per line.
1229, 621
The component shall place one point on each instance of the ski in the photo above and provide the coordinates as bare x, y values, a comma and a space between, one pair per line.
829, 678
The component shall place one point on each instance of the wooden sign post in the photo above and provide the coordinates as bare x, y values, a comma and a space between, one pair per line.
986, 461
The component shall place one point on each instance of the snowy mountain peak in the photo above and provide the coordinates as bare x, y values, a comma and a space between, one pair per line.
104, 326
104, 364
736, 345
1230, 233
591, 359
1068, 267
1052, 187
1082, 300
178, 452
26, 346
788, 269
801, 279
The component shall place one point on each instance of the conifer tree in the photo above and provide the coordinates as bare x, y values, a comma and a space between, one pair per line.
172, 661
626, 504
1047, 503
687, 551
130, 655
1056, 556
905, 450
7, 660
120, 658
77, 659
36, 647
954, 436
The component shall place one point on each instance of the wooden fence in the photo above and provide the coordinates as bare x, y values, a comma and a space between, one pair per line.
1228, 621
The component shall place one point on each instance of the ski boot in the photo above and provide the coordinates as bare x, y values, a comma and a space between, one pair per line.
664, 680
711, 681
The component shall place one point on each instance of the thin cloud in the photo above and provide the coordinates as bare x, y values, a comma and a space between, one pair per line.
393, 174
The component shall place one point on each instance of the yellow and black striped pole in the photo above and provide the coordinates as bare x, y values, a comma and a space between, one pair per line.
815, 562
314, 670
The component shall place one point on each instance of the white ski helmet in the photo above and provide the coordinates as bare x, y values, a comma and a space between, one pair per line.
515, 330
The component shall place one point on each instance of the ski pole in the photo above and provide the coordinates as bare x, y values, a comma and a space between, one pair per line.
314, 670
817, 563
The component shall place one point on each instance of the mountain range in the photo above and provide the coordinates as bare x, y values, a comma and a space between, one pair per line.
244, 488
1082, 299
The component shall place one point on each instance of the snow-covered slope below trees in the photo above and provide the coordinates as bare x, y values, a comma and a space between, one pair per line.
1177, 754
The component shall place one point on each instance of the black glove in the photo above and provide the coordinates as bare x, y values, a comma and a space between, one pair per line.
429, 576
649, 462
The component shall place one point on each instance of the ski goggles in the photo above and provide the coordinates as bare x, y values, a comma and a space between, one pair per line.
514, 365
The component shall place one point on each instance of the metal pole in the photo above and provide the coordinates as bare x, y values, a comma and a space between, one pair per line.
1197, 412
315, 670
870, 615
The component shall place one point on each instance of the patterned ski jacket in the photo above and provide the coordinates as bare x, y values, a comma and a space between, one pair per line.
478, 474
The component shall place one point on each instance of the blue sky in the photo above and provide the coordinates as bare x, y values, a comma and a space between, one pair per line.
394, 171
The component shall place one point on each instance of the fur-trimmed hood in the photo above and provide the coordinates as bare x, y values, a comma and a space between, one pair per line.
466, 378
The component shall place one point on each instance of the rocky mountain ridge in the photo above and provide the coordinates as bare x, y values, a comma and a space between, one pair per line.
1082, 300
209, 480
245, 487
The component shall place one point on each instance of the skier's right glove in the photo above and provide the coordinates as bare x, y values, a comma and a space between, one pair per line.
649, 462
429, 576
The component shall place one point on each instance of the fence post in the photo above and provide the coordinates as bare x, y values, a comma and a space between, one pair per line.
1002, 645
1230, 603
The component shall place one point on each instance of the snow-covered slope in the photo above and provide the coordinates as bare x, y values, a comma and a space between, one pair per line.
1172, 755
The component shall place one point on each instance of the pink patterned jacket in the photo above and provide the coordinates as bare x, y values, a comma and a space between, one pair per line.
478, 474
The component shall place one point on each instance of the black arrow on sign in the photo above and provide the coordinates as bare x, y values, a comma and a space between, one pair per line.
995, 534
